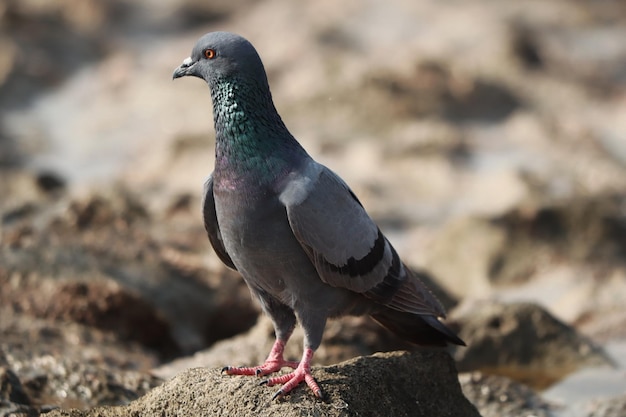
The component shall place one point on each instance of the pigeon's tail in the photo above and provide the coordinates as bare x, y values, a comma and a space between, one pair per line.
419, 329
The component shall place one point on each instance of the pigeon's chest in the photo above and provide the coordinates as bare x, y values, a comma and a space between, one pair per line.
253, 225
257, 236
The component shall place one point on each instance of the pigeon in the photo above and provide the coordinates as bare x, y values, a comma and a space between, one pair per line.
293, 229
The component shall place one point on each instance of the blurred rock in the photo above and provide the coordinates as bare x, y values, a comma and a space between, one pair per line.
527, 48
589, 389
396, 383
496, 396
101, 260
523, 342
46, 363
604, 321
433, 90
612, 407
22, 195
49, 182
461, 256
587, 230
101, 304
198, 13
475, 256
51, 41
11, 389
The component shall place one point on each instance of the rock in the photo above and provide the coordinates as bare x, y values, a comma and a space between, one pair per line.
11, 389
586, 230
61, 38
396, 384
589, 389
518, 245
21, 191
46, 363
99, 303
50, 182
199, 13
496, 396
8, 59
73, 260
432, 89
462, 255
605, 325
522, 341
70, 384
526, 48
612, 407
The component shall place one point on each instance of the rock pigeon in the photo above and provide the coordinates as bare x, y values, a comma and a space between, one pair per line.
298, 235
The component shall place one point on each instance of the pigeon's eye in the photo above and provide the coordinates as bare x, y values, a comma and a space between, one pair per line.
209, 53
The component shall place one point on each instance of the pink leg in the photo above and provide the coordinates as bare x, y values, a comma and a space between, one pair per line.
273, 363
301, 373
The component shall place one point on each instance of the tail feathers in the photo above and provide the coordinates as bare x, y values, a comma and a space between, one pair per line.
420, 329
443, 329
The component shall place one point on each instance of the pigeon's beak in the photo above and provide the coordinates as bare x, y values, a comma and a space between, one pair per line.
184, 69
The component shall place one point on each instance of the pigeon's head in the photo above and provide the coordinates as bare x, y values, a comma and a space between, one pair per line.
221, 56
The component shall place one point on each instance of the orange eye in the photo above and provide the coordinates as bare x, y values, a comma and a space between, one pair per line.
209, 53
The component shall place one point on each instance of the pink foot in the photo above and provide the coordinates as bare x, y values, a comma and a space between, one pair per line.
293, 379
274, 362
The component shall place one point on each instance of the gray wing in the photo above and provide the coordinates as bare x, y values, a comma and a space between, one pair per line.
345, 245
211, 225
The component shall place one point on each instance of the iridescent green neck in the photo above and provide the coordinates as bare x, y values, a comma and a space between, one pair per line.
251, 138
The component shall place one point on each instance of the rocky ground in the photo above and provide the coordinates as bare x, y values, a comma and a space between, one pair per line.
486, 138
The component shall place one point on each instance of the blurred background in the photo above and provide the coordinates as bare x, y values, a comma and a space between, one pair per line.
486, 138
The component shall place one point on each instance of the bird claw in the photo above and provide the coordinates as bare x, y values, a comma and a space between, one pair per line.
270, 366
278, 394
292, 380
275, 362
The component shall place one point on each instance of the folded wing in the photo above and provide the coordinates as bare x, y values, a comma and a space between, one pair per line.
345, 245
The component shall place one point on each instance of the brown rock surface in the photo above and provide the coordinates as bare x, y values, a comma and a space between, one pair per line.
46, 363
102, 260
102, 304
497, 396
396, 384
524, 342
